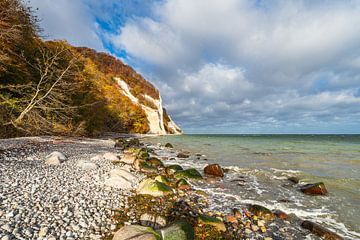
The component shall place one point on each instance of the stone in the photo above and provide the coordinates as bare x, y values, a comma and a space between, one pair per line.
231, 219
128, 159
146, 168
214, 170
6, 237
294, 180
109, 156
6, 227
280, 214
172, 169
136, 232
154, 188
162, 179
169, 145
153, 221
320, 231
121, 178
182, 184
143, 154
137, 163
207, 220
254, 228
314, 189
262, 212
190, 173
182, 155
86, 165
180, 230
43, 231
55, 158
155, 162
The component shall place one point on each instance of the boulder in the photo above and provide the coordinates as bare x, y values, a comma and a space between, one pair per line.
86, 165
215, 222
169, 145
155, 162
180, 230
55, 158
262, 212
190, 173
136, 232
128, 158
109, 156
143, 153
152, 220
320, 231
183, 155
214, 170
121, 178
182, 184
154, 188
314, 189
162, 179
146, 168
170, 170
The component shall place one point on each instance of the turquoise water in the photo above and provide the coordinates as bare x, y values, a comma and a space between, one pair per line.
265, 161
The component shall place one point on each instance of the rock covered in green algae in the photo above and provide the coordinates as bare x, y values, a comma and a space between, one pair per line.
190, 173
215, 222
262, 212
182, 184
178, 231
136, 232
154, 188
162, 179
155, 162
172, 169
169, 145
142, 153
314, 189
320, 231
146, 168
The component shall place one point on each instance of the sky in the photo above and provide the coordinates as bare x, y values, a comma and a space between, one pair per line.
230, 66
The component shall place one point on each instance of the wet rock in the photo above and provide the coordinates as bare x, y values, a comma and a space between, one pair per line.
183, 155
55, 158
152, 220
154, 188
143, 154
262, 212
320, 231
182, 184
214, 170
207, 220
170, 170
314, 189
169, 145
178, 231
155, 162
162, 179
280, 214
294, 180
146, 168
190, 173
136, 232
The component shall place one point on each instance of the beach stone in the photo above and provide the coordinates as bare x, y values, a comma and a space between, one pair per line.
294, 180
231, 219
215, 222
171, 169
262, 212
178, 231
154, 188
86, 165
182, 184
280, 214
169, 145
137, 163
183, 155
109, 156
190, 173
162, 179
155, 162
143, 154
43, 231
128, 159
151, 220
121, 178
314, 189
136, 232
55, 158
214, 170
320, 231
146, 168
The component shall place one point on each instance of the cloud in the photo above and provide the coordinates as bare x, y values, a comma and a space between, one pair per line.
246, 63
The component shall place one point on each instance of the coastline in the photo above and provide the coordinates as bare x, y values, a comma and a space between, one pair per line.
118, 209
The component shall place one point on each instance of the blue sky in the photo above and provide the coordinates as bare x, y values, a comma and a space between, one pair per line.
230, 66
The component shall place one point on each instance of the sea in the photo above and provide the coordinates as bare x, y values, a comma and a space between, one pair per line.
260, 165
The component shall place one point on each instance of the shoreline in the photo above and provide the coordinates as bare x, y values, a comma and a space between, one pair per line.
244, 223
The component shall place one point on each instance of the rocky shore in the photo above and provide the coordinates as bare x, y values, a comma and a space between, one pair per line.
61, 188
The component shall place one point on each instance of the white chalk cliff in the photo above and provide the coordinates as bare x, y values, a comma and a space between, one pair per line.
155, 116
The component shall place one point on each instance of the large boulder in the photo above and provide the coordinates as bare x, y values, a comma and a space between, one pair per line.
314, 189
154, 188
110, 156
155, 162
136, 232
55, 158
190, 173
128, 158
178, 231
86, 165
214, 170
262, 212
215, 222
171, 169
320, 231
152, 220
121, 178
